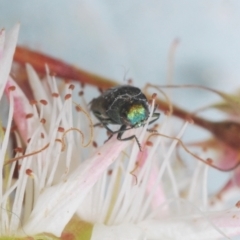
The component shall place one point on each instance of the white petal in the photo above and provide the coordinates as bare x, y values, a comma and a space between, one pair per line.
214, 226
38, 90
21, 108
121, 232
7, 56
57, 204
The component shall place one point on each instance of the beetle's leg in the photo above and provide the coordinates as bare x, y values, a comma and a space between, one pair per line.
110, 136
156, 115
112, 132
102, 122
120, 133
152, 131
98, 124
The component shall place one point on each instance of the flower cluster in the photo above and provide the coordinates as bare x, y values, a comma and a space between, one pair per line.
61, 185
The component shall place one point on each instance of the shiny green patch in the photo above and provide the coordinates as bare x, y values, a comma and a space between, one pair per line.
136, 114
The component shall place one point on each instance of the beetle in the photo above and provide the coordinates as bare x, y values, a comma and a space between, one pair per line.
122, 105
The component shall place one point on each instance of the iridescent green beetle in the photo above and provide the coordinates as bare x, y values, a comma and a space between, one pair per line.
123, 105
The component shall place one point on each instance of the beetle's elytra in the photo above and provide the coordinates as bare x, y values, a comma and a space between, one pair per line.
123, 105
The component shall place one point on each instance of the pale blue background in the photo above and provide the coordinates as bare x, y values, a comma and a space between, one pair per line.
113, 37
131, 39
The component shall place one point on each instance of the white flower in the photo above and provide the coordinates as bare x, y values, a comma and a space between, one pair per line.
121, 192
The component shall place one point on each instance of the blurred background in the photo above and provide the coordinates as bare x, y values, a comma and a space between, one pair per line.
132, 39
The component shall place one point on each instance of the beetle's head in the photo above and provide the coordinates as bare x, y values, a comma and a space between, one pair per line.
135, 114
